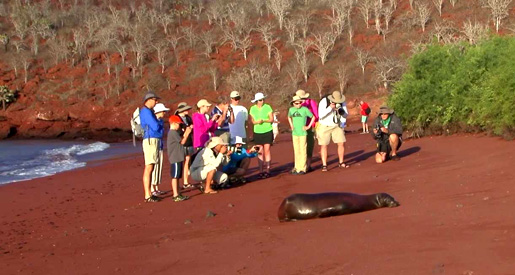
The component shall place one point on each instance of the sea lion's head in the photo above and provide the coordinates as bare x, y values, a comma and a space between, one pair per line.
385, 200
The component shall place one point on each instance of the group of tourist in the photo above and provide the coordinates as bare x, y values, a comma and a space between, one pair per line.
210, 146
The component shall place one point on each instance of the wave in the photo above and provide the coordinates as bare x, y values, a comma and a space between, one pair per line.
48, 162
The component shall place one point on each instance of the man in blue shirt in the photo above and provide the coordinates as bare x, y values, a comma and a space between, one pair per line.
153, 133
240, 161
226, 117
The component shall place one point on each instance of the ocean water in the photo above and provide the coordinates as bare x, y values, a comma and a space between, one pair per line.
28, 159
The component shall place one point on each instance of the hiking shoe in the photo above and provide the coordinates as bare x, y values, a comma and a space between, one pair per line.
293, 172
301, 173
180, 198
152, 199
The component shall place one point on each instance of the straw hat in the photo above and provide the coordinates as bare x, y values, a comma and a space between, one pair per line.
336, 97
181, 107
214, 141
302, 94
295, 99
385, 110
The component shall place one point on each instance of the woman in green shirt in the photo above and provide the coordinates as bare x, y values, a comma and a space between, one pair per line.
262, 117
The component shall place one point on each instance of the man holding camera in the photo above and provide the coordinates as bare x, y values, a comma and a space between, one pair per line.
331, 121
225, 118
240, 161
206, 163
388, 133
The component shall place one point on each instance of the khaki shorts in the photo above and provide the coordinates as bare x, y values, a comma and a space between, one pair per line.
326, 133
151, 150
201, 175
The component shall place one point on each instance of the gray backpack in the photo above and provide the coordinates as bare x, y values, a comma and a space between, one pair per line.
137, 130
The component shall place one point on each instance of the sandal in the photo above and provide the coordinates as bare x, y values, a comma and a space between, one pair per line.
343, 165
186, 186
211, 192
180, 198
261, 176
158, 193
324, 168
152, 199
266, 175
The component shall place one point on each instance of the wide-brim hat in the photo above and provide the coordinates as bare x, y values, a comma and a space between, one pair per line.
175, 119
234, 94
295, 99
160, 107
385, 110
238, 140
214, 141
336, 97
258, 96
203, 102
302, 94
150, 95
181, 107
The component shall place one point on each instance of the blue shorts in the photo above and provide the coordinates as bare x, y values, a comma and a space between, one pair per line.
176, 170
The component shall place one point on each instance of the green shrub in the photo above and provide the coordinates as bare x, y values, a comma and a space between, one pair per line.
6, 96
449, 88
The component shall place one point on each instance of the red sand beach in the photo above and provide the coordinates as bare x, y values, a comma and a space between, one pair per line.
456, 217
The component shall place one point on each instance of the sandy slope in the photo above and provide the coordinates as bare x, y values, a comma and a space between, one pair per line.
456, 217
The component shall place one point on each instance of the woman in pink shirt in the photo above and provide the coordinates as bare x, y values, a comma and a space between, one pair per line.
202, 126
312, 105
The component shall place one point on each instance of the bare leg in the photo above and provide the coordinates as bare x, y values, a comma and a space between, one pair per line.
364, 127
380, 157
394, 142
341, 151
268, 157
323, 154
209, 181
260, 158
186, 170
175, 182
146, 179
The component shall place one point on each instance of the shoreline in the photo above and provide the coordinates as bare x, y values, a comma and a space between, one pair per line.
94, 220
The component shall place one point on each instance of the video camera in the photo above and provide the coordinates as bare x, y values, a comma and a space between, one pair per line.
379, 133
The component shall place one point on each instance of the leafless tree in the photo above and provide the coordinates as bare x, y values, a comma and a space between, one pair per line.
301, 54
13, 61
438, 5
165, 19
258, 6
279, 8
174, 39
320, 82
453, 2
292, 31
388, 70
161, 48
141, 37
26, 62
57, 48
244, 43
387, 14
121, 48
499, 10
350, 31
423, 14
378, 11
294, 75
215, 12
215, 76
444, 31
342, 77
189, 34
208, 39
265, 31
474, 32
364, 7
364, 58
323, 42
304, 19
412, 4
251, 79
277, 58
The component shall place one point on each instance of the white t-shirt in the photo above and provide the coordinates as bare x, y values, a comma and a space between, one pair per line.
240, 120
327, 116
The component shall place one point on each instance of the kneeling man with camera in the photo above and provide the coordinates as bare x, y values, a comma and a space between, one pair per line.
388, 133
240, 161
206, 163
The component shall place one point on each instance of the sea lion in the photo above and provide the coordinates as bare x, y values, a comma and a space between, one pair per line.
309, 206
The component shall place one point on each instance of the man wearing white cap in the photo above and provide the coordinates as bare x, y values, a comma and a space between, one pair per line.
241, 115
160, 111
206, 163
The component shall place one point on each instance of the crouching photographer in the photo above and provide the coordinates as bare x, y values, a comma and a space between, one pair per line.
240, 161
388, 133
332, 112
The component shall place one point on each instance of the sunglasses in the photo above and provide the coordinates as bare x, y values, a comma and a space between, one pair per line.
236, 98
260, 100
297, 103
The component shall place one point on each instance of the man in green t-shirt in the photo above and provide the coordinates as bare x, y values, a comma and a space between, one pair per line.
297, 117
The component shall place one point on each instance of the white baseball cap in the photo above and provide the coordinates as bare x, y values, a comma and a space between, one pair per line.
238, 140
160, 107
235, 94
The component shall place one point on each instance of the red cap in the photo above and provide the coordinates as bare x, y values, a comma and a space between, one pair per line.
175, 119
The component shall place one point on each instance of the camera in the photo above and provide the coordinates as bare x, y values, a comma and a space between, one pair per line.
340, 109
379, 133
234, 149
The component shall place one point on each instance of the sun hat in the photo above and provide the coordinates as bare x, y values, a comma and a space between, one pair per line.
235, 94
202, 103
238, 140
160, 107
385, 110
295, 98
258, 96
175, 119
214, 141
336, 97
181, 107
150, 95
302, 94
